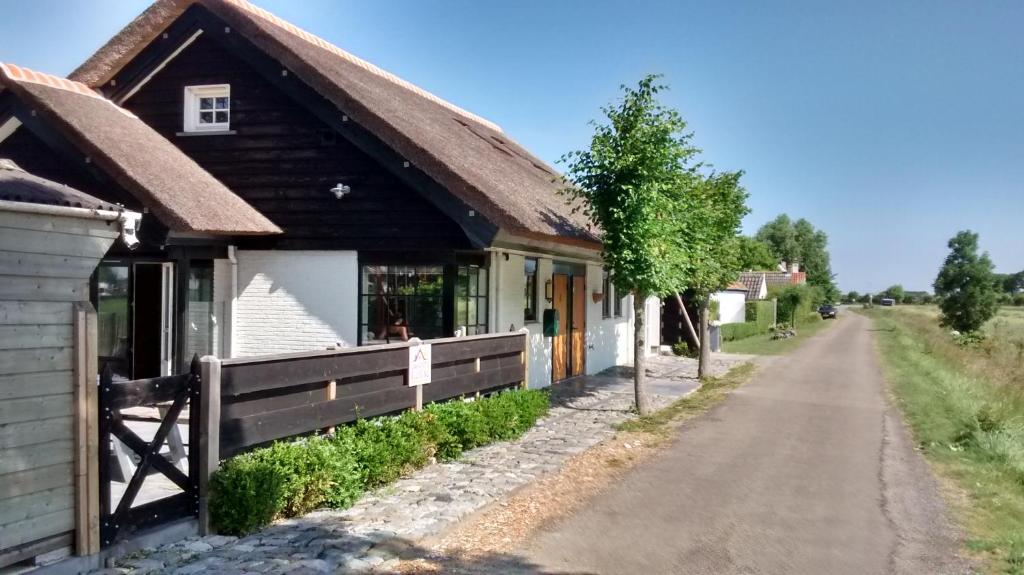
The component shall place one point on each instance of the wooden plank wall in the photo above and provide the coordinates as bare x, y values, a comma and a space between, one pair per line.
283, 161
45, 264
273, 397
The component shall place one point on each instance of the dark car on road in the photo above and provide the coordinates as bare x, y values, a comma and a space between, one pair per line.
828, 311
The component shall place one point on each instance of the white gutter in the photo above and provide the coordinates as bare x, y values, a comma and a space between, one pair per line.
128, 221
232, 304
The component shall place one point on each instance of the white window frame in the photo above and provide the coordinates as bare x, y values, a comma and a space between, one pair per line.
192, 97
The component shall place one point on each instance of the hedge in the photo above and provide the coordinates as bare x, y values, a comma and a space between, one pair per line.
734, 331
762, 312
292, 478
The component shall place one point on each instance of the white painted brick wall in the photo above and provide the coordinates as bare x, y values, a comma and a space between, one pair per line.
296, 300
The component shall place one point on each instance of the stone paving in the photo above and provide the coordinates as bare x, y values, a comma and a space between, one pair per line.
369, 535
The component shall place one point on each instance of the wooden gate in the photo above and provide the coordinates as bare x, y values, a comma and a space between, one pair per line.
129, 410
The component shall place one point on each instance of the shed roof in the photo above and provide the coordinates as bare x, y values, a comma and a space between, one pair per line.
17, 185
470, 156
183, 196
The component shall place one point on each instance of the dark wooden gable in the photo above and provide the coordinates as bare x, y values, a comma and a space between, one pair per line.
42, 152
284, 160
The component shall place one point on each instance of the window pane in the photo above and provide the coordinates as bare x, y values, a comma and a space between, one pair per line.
223, 103
205, 117
402, 302
112, 316
222, 117
202, 315
205, 103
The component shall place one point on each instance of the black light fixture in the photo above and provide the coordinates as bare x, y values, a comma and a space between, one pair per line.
549, 290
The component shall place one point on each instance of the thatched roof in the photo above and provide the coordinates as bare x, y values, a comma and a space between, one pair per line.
470, 156
17, 185
183, 196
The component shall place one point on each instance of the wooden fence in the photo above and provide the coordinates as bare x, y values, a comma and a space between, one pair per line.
272, 397
247, 402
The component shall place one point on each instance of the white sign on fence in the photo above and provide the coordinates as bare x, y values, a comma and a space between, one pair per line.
419, 363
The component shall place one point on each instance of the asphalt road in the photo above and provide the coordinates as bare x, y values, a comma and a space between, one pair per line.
806, 469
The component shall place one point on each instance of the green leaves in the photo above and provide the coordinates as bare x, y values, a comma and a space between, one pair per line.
967, 285
666, 226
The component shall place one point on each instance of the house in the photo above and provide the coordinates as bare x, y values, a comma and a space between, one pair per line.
758, 282
732, 303
755, 283
327, 201
52, 237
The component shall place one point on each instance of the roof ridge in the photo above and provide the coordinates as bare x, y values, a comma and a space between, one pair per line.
324, 44
17, 73
22, 74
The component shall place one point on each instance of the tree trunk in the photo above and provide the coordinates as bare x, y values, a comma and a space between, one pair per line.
643, 405
704, 363
686, 316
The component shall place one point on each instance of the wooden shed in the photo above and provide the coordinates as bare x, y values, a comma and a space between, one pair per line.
51, 239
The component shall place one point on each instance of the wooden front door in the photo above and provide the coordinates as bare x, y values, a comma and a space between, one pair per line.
560, 342
578, 324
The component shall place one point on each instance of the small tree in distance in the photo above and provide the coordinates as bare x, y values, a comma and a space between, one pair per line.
966, 285
632, 183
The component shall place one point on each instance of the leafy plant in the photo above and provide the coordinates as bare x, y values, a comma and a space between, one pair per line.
293, 478
967, 285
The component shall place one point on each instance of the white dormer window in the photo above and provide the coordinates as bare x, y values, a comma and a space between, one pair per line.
208, 108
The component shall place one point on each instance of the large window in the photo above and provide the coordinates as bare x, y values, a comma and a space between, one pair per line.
530, 310
471, 299
402, 301
606, 287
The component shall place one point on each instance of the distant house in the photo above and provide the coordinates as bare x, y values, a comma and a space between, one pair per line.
758, 282
732, 303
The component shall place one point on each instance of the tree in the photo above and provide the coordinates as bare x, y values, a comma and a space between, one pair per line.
851, 297
799, 242
896, 292
709, 239
780, 237
633, 183
1013, 283
966, 285
753, 254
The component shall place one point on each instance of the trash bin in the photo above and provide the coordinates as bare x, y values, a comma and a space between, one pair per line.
715, 335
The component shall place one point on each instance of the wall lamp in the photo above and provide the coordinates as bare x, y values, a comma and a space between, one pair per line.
340, 191
549, 290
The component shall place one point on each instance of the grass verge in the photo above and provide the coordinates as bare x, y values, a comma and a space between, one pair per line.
711, 392
969, 423
763, 344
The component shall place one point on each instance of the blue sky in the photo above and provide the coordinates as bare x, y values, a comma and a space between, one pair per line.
890, 125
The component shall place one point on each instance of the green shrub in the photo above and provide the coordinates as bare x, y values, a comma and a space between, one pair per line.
388, 447
734, 331
293, 478
285, 479
683, 349
464, 425
246, 493
762, 312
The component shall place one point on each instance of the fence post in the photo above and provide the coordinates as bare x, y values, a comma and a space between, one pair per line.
525, 357
209, 436
87, 481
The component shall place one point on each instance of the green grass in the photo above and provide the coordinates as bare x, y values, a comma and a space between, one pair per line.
966, 409
713, 390
763, 344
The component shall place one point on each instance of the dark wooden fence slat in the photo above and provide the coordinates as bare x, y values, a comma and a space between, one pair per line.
272, 398
239, 433
238, 378
138, 392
